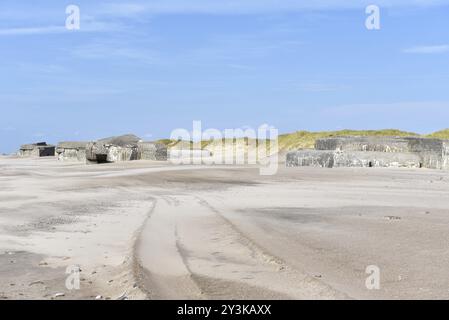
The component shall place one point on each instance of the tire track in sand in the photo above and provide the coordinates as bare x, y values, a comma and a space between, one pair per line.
189, 250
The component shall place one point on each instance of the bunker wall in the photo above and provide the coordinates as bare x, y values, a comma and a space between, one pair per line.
374, 144
330, 159
152, 151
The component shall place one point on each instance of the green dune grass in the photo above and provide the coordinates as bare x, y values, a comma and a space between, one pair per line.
443, 134
306, 139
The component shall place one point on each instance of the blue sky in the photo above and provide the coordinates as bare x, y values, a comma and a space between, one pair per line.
148, 67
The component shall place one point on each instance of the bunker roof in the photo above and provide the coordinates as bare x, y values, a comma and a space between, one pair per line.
33, 146
72, 145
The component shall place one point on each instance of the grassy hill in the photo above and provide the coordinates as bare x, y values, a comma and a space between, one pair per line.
306, 139
211, 144
443, 134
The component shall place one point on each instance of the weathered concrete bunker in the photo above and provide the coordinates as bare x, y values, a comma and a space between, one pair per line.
113, 149
124, 148
40, 149
409, 152
152, 151
71, 151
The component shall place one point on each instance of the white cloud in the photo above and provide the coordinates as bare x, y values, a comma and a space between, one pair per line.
88, 24
428, 49
112, 10
248, 6
39, 68
31, 31
112, 50
123, 9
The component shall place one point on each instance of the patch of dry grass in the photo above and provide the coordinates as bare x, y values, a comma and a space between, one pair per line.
306, 139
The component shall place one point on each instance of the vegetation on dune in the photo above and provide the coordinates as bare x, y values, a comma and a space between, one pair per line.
178, 144
443, 134
167, 142
306, 139
205, 143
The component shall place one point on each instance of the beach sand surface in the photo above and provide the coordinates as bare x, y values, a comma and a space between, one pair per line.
151, 230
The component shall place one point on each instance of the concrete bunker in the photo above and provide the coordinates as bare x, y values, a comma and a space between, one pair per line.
72, 151
124, 148
113, 149
369, 151
40, 149
152, 151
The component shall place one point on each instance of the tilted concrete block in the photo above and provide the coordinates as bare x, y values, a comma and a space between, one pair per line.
113, 149
152, 151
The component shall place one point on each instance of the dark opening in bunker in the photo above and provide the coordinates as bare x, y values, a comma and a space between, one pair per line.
102, 158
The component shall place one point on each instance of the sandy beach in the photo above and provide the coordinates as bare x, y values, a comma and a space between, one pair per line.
151, 230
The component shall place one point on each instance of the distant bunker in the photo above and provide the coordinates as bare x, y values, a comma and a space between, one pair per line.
40, 149
113, 149
369, 151
152, 151
71, 151
124, 148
